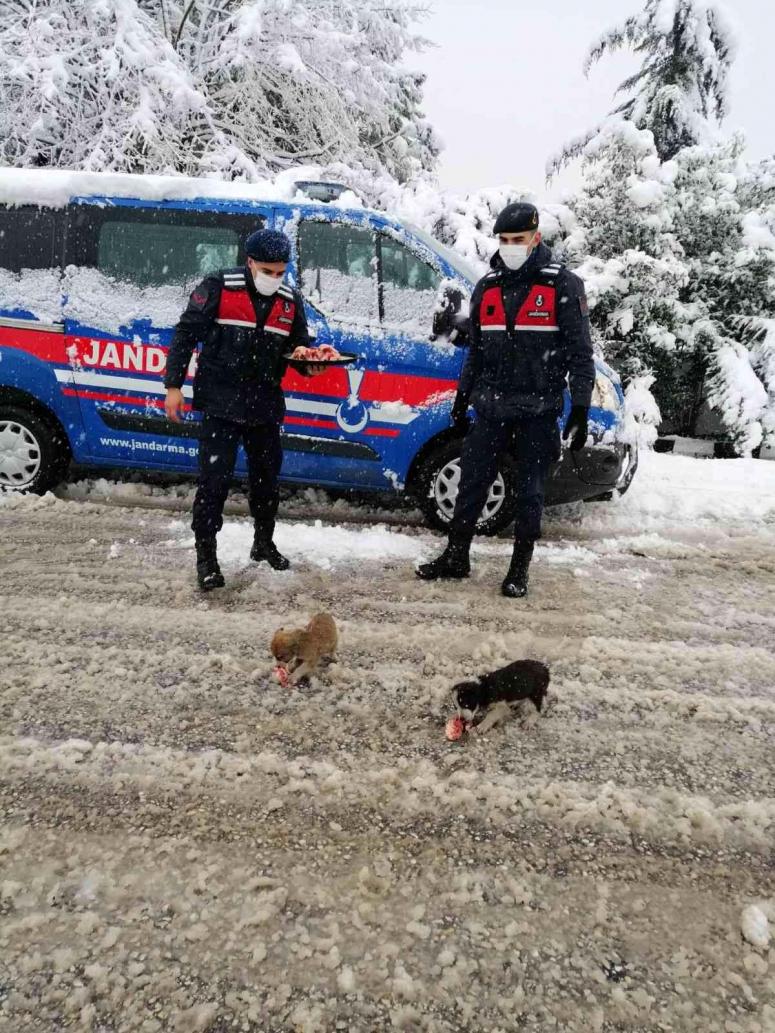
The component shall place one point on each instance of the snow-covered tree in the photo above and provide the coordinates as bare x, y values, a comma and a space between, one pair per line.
680, 90
676, 234
754, 277
461, 221
762, 354
234, 88
732, 387
308, 80
624, 246
724, 216
91, 84
680, 275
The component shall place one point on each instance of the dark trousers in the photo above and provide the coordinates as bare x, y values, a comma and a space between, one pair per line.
217, 456
534, 444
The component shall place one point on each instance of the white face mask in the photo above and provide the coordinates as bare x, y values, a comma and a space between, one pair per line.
266, 284
514, 255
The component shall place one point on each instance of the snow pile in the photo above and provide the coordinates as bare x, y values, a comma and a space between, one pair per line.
668, 490
682, 491
314, 544
297, 502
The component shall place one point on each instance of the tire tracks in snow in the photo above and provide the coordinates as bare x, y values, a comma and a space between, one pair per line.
185, 844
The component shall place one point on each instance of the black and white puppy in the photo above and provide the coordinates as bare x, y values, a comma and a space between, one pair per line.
491, 697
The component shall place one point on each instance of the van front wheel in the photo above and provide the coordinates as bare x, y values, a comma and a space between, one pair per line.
32, 455
436, 485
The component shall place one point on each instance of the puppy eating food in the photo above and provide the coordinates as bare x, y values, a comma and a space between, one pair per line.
302, 649
485, 701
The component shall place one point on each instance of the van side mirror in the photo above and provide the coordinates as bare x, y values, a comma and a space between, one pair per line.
449, 320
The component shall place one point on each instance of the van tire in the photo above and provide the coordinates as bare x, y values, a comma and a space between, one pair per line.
436, 470
34, 454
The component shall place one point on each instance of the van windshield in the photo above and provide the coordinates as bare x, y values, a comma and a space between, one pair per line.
455, 259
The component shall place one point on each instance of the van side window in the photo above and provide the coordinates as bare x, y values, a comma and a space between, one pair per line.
337, 265
409, 288
155, 254
153, 247
27, 238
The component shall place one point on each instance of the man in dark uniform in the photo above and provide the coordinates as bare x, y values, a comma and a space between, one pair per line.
528, 330
246, 320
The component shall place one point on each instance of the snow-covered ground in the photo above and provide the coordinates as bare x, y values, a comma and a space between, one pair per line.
187, 846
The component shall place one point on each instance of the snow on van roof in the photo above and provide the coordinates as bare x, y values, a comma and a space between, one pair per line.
54, 188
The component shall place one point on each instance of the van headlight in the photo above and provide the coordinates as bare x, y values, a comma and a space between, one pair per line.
604, 394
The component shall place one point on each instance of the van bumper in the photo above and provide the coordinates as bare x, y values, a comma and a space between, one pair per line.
592, 473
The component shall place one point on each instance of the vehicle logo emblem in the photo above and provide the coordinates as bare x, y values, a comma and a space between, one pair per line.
352, 415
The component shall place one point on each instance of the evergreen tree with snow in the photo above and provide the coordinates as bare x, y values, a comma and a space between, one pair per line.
676, 243
751, 281
625, 248
730, 252
680, 90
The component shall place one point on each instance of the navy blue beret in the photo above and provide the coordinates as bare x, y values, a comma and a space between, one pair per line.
268, 246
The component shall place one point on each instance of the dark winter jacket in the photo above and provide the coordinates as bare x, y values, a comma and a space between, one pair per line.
244, 336
528, 331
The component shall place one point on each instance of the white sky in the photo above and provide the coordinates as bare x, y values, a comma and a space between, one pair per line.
505, 87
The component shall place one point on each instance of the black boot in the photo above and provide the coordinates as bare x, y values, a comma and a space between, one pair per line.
453, 562
265, 549
515, 583
208, 573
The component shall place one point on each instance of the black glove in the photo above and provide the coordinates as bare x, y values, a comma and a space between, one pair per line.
443, 322
448, 319
460, 411
576, 427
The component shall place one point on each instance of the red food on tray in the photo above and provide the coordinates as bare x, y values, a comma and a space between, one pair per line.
322, 353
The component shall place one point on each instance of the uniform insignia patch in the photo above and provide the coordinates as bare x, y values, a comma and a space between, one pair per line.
583, 306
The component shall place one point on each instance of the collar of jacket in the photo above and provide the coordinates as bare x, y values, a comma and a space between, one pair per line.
540, 257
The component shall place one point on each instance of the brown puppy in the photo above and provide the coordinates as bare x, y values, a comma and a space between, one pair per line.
302, 649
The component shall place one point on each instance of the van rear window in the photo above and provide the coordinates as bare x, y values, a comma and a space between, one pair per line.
156, 247
27, 238
153, 255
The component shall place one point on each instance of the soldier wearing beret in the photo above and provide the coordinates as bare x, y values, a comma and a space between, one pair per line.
246, 320
528, 333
